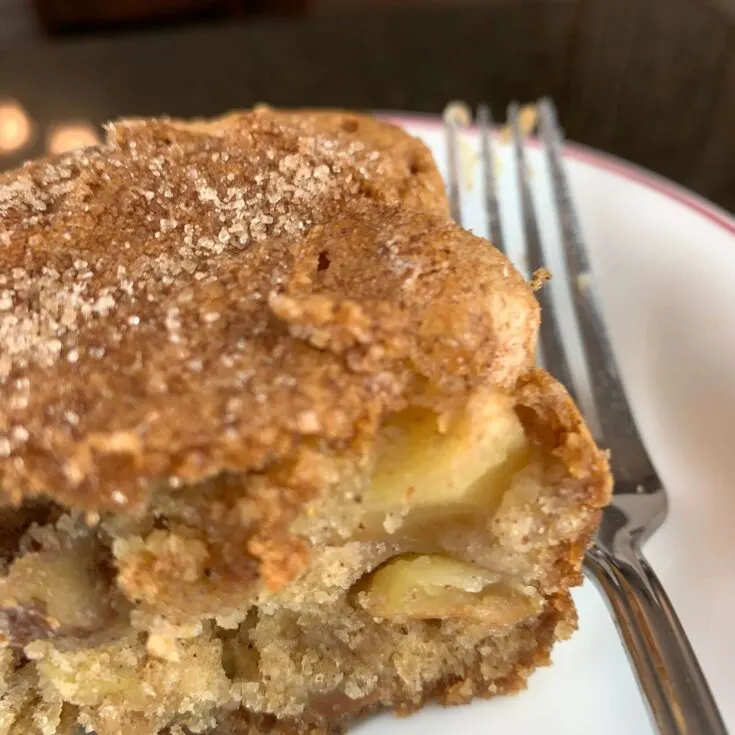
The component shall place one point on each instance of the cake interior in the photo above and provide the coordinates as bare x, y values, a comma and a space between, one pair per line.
431, 572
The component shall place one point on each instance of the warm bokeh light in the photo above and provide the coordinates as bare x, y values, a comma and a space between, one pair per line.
15, 127
70, 135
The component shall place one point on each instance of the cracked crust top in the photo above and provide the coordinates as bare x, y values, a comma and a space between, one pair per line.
188, 299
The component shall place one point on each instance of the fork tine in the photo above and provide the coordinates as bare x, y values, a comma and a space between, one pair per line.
452, 115
487, 156
617, 426
552, 349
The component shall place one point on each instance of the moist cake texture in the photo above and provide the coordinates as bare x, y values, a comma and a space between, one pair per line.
273, 450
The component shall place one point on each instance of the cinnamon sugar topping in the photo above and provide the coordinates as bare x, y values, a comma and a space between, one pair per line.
147, 283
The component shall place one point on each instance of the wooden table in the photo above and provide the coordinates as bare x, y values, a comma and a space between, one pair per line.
652, 81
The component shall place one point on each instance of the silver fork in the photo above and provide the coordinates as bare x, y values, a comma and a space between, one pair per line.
669, 675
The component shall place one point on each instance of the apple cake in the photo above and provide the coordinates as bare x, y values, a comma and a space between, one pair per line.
273, 450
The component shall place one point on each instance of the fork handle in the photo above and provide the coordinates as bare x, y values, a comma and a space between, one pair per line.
679, 699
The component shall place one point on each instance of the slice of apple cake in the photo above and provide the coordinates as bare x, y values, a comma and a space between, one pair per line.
273, 450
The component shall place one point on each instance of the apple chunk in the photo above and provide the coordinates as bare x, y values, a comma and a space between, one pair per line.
462, 462
422, 587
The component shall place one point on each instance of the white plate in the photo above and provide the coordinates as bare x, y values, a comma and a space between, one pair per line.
665, 264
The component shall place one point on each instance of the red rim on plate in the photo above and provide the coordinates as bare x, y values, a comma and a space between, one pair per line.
607, 162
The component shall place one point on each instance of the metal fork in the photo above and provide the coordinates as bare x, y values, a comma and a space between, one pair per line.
677, 693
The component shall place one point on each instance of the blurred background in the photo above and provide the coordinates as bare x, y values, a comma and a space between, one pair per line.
652, 81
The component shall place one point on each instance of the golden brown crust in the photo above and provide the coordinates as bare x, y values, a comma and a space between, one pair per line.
554, 422
578, 477
173, 308
407, 161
